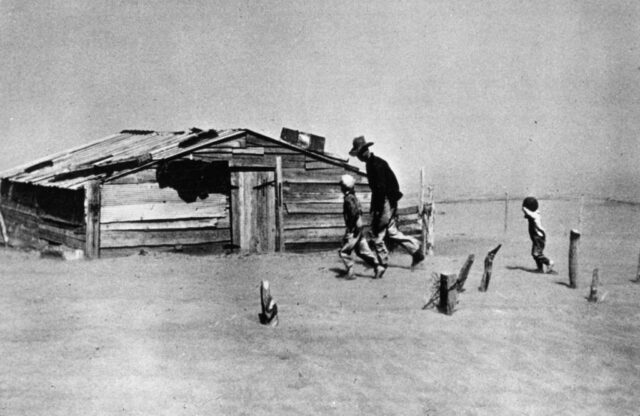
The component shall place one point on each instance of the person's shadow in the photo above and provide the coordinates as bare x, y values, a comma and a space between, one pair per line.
341, 273
524, 269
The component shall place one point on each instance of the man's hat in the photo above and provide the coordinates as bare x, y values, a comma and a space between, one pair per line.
359, 144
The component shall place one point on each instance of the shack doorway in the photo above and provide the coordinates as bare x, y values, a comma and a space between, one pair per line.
253, 210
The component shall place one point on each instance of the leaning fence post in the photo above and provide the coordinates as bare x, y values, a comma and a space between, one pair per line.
574, 240
595, 282
488, 268
464, 272
428, 222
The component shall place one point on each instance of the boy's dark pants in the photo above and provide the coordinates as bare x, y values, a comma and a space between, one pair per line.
537, 252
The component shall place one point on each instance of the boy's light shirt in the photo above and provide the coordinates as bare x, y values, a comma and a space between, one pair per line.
535, 216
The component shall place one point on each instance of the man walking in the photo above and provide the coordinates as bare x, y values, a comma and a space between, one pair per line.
385, 194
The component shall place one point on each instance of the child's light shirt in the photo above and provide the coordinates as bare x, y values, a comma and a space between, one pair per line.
535, 222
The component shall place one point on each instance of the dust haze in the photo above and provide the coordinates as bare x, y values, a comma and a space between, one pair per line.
519, 96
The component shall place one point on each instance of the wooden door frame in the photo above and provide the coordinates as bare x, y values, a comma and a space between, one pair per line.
278, 202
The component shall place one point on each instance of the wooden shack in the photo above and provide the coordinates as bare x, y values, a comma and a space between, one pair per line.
193, 190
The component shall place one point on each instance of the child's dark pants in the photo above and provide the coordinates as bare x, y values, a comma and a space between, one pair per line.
537, 252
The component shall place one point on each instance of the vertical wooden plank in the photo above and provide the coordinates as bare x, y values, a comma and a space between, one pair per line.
271, 203
574, 242
237, 201
422, 209
279, 206
92, 219
249, 217
260, 203
429, 219
5, 235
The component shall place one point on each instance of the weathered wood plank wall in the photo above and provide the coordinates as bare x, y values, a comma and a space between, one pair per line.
137, 213
32, 219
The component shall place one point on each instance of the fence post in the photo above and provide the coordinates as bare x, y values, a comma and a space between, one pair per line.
421, 209
428, 222
574, 240
279, 207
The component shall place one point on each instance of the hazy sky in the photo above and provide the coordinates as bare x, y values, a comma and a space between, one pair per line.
493, 96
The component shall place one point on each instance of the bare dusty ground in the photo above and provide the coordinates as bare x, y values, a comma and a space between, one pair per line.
171, 334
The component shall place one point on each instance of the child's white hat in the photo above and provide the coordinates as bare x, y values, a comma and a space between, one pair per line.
348, 181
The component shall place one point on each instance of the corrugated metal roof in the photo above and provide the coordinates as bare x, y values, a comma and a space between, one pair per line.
126, 152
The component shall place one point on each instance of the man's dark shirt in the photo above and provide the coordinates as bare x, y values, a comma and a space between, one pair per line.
383, 183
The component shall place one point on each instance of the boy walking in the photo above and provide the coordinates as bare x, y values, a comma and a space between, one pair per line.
354, 238
537, 234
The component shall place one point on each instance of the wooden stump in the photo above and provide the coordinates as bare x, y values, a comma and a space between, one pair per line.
574, 240
269, 315
595, 282
488, 268
464, 272
448, 293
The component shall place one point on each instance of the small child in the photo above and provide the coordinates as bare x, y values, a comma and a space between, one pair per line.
354, 237
537, 234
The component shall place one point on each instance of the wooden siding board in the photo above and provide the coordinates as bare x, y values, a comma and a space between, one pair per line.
314, 235
207, 248
161, 211
132, 194
68, 237
321, 188
130, 238
167, 225
321, 208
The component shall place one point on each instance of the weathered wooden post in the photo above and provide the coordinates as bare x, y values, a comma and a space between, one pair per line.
595, 282
574, 240
448, 293
421, 212
5, 235
269, 314
506, 212
428, 222
279, 206
92, 219
488, 268
464, 272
